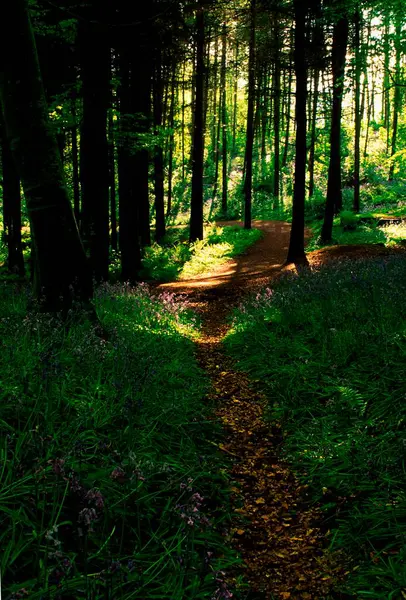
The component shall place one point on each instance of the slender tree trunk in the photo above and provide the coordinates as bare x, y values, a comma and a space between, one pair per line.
61, 269
94, 155
75, 163
277, 110
214, 123
11, 209
224, 120
288, 110
217, 153
112, 177
196, 216
141, 81
171, 144
264, 122
334, 188
250, 120
386, 79
358, 116
296, 251
128, 209
183, 119
312, 154
398, 92
158, 157
235, 99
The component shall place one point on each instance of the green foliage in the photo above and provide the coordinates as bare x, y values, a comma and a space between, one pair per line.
348, 220
108, 480
330, 348
176, 258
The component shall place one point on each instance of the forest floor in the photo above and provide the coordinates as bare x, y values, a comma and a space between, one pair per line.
279, 535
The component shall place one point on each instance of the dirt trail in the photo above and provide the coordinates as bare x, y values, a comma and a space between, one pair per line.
276, 531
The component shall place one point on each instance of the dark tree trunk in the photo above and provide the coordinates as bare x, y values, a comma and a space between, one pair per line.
264, 122
171, 144
183, 120
235, 100
75, 163
334, 188
141, 82
312, 154
112, 177
288, 113
296, 252
250, 121
398, 93
61, 269
160, 228
386, 79
11, 209
196, 215
358, 116
94, 155
128, 208
224, 120
277, 110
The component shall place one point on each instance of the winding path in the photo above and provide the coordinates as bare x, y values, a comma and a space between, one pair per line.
277, 533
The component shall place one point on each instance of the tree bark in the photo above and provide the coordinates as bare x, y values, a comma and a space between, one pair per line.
250, 120
94, 156
224, 195
160, 228
128, 209
277, 110
112, 178
398, 92
11, 209
196, 215
334, 188
61, 269
358, 116
296, 253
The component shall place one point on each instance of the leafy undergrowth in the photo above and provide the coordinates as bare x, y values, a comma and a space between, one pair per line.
360, 233
177, 259
330, 349
109, 487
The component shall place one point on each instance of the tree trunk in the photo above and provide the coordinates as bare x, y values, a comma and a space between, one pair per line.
250, 121
141, 81
128, 209
94, 155
277, 110
158, 157
235, 99
196, 215
288, 112
334, 190
11, 209
61, 269
358, 116
112, 177
386, 79
398, 92
75, 162
171, 144
312, 154
223, 86
296, 251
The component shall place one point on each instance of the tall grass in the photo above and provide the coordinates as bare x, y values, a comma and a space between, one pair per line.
109, 487
330, 349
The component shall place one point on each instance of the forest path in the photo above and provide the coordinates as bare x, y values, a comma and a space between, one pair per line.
278, 534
